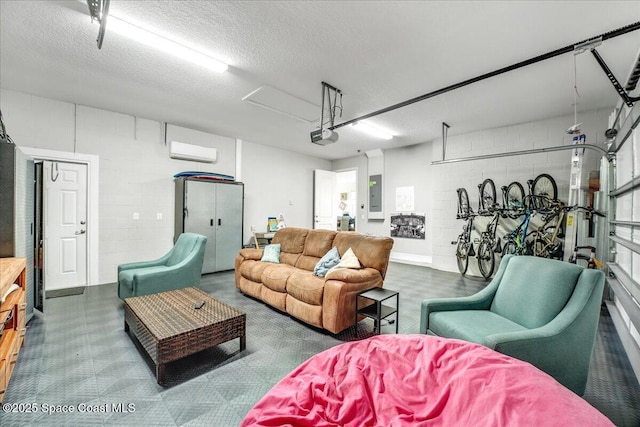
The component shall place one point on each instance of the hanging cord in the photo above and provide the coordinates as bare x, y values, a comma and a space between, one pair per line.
576, 94
3, 131
54, 165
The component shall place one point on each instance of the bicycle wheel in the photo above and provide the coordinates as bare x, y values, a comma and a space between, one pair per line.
515, 200
486, 259
463, 203
462, 257
487, 194
544, 185
509, 248
540, 248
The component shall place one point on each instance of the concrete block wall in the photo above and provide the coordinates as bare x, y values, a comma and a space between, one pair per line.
503, 170
136, 172
277, 182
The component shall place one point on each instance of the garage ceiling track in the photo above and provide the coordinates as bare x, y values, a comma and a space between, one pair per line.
570, 48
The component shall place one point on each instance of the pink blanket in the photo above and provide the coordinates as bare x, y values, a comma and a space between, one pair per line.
409, 380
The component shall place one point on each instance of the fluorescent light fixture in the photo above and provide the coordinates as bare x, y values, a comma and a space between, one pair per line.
372, 130
161, 43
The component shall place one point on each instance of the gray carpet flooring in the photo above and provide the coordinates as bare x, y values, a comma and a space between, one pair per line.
78, 357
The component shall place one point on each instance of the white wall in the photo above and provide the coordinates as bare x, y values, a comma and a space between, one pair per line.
136, 172
277, 182
435, 185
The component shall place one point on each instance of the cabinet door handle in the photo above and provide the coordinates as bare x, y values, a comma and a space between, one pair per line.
219, 221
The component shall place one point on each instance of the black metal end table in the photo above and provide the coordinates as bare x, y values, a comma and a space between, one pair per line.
377, 310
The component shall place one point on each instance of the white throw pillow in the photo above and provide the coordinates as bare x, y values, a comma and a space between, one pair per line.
348, 260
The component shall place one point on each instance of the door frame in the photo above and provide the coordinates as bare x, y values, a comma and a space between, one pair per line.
93, 209
355, 213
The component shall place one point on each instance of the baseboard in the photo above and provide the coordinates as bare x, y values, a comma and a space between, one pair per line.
629, 344
65, 292
421, 260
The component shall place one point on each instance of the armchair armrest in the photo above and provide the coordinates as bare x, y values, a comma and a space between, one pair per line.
479, 301
144, 264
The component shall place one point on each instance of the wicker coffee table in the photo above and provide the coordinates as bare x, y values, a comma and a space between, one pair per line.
169, 327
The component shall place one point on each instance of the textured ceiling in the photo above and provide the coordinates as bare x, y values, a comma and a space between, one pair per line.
378, 53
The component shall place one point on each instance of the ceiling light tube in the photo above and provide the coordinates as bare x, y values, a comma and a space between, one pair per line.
161, 43
372, 130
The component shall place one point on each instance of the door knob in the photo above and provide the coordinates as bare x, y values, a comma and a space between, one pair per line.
80, 232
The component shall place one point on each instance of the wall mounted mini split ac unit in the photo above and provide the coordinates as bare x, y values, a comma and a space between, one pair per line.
195, 153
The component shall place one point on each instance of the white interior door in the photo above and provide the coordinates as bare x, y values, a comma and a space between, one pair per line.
65, 225
324, 200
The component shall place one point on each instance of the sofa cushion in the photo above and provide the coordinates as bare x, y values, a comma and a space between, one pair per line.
274, 298
534, 303
309, 313
470, 325
291, 239
275, 277
252, 270
372, 251
304, 286
271, 253
318, 242
328, 261
289, 258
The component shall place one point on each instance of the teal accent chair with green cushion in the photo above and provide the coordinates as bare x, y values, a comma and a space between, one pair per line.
539, 310
181, 267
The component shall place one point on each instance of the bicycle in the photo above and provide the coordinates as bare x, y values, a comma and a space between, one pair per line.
489, 246
486, 195
545, 187
464, 245
516, 241
546, 238
513, 199
546, 241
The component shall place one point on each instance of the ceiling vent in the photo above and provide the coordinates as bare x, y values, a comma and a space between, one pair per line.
276, 100
195, 153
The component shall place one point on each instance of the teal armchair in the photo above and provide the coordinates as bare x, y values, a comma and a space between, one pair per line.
542, 311
179, 268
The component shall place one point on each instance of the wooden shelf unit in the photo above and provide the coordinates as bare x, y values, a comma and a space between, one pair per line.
12, 270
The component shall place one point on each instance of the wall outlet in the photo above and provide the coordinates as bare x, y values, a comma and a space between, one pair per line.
136, 216
159, 216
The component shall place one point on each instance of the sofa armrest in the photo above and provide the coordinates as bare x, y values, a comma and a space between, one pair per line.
251, 253
339, 298
351, 275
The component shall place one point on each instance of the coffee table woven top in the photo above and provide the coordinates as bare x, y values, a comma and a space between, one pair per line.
172, 313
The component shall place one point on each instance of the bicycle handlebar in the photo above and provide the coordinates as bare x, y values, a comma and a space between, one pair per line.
587, 209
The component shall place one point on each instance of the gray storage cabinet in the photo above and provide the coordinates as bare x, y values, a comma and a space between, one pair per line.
17, 191
214, 209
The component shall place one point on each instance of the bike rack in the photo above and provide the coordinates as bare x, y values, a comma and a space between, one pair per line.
604, 152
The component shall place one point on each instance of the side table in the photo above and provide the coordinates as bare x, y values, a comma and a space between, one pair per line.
377, 310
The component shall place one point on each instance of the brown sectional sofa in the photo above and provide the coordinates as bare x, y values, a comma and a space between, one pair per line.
290, 286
